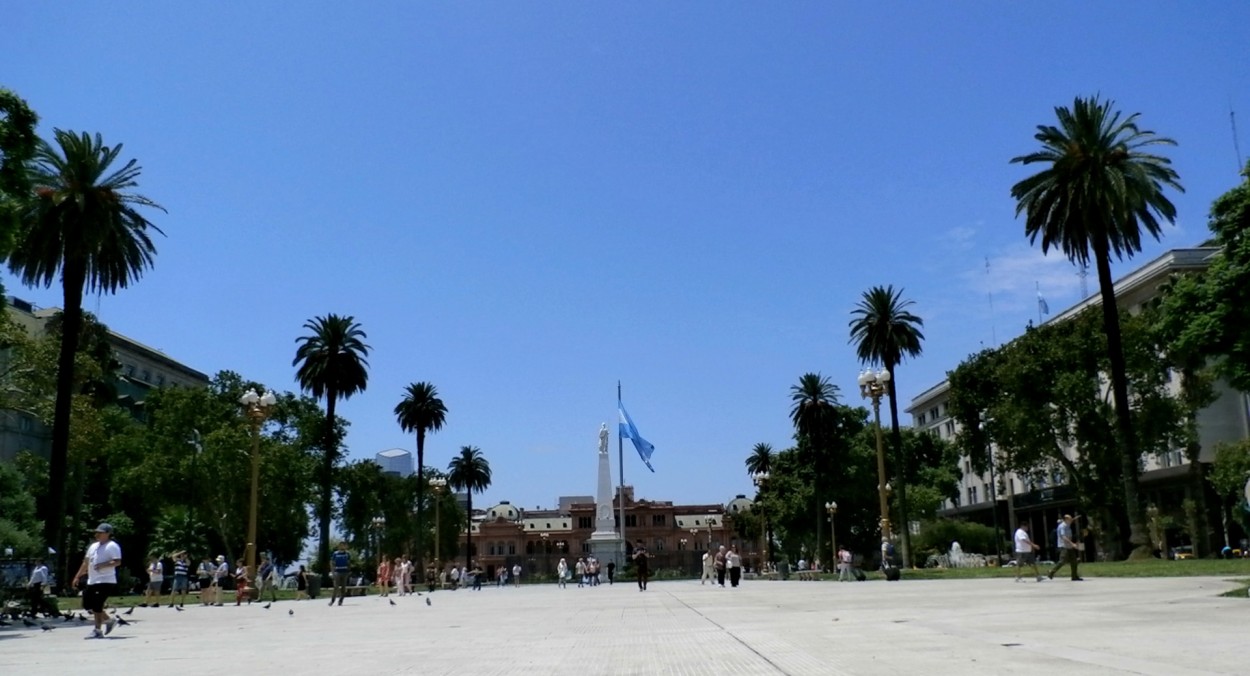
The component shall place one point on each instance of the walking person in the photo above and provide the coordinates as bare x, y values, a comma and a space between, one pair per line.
156, 580
733, 563
301, 584
476, 574
340, 563
562, 572
99, 567
1025, 552
384, 576
642, 564
581, 573
266, 578
516, 575
1071, 550
719, 562
206, 572
611, 572
182, 580
34, 589
844, 565
221, 572
709, 569
399, 569
242, 583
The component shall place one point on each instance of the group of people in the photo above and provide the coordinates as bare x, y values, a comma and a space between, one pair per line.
399, 573
721, 564
586, 570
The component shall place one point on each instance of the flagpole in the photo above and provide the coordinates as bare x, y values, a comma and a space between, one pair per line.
620, 457
1038, 285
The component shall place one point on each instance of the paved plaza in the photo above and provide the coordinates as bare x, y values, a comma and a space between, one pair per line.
1102, 626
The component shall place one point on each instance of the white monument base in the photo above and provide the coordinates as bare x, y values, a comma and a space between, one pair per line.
607, 547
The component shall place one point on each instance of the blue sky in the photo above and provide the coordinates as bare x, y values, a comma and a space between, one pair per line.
525, 202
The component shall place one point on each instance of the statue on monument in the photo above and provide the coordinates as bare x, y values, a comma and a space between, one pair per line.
603, 439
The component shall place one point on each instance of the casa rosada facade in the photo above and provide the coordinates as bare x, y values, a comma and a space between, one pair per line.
676, 535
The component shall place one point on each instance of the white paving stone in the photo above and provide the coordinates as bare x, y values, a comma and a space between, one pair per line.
1101, 626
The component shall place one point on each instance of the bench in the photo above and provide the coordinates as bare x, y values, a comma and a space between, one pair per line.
356, 590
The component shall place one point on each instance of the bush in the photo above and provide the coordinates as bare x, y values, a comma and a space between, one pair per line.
936, 537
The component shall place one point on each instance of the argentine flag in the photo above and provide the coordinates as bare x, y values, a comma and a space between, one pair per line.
628, 431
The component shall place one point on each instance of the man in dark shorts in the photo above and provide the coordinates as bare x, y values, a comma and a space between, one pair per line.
340, 563
99, 566
1026, 553
642, 565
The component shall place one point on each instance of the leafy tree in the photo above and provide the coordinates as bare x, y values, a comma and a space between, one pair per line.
19, 528
421, 411
17, 146
884, 332
1229, 473
83, 224
1102, 187
332, 364
814, 399
469, 472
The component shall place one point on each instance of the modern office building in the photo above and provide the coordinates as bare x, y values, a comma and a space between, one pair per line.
140, 369
1040, 499
395, 461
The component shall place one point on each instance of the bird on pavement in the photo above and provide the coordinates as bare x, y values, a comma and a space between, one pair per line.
122, 621
392, 602
427, 601
290, 612
178, 608
130, 612
46, 627
266, 606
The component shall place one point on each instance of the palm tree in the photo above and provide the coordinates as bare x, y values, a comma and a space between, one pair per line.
885, 333
332, 364
814, 398
421, 411
761, 459
1102, 186
469, 472
83, 223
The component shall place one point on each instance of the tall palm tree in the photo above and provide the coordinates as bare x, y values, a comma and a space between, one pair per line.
1103, 185
761, 459
421, 411
332, 364
884, 332
469, 472
81, 222
814, 398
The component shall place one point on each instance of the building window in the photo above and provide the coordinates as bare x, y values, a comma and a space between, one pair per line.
920, 419
147, 376
160, 380
529, 548
950, 428
933, 414
23, 423
631, 520
585, 547
972, 495
491, 549
658, 519
130, 370
548, 525
659, 544
512, 548
583, 522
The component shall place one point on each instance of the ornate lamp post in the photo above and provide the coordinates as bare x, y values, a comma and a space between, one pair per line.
437, 485
873, 385
256, 408
546, 551
379, 523
832, 508
761, 480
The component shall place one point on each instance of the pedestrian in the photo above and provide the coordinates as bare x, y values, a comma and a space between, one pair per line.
455, 578
242, 583
611, 572
182, 584
1025, 552
221, 572
266, 578
719, 562
502, 578
340, 563
399, 569
642, 565
709, 568
562, 572
594, 570
1071, 550
99, 567
844, 565
516, 575
156, 579
733, 563
301, 584
34, 589
581, 573
476, 574
384, 576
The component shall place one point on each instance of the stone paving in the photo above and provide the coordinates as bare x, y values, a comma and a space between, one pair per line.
1101, 626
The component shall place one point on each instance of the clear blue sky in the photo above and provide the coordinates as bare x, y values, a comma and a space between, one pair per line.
525, 202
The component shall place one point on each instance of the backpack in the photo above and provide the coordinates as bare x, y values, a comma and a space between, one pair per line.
889, 549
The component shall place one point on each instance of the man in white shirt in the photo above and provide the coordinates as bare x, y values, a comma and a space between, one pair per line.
34, 589
709, 569
99, 566
1025, 552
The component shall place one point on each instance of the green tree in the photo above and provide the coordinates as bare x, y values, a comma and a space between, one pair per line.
19, 528
761, 459
17, 146
83, 224
469, 472
332, 364
1102, 187
812, 413
884, 332
421, 411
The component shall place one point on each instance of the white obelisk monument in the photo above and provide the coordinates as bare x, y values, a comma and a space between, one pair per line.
605, 542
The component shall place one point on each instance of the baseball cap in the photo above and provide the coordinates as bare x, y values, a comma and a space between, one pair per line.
104, 528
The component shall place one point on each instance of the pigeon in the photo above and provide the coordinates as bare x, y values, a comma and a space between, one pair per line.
392, 602
27, 622
46, 627
122, 622
291, 612
427, 602
130, 612
178, 608
82, 618
266, 606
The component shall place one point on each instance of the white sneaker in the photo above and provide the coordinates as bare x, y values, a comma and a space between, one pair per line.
95, 633
108, 626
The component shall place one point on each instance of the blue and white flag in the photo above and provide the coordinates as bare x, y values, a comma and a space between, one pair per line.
1042, 306
628, 431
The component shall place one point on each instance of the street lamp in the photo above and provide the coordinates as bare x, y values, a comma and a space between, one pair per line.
873, 385
832, 508
546, 551
256, 408
379, 523
437, 485
989, 450
761, 479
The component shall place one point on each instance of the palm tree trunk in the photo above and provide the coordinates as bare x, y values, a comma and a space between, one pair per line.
421, 499
900, 467
73, 279
327, 484
1129, 454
